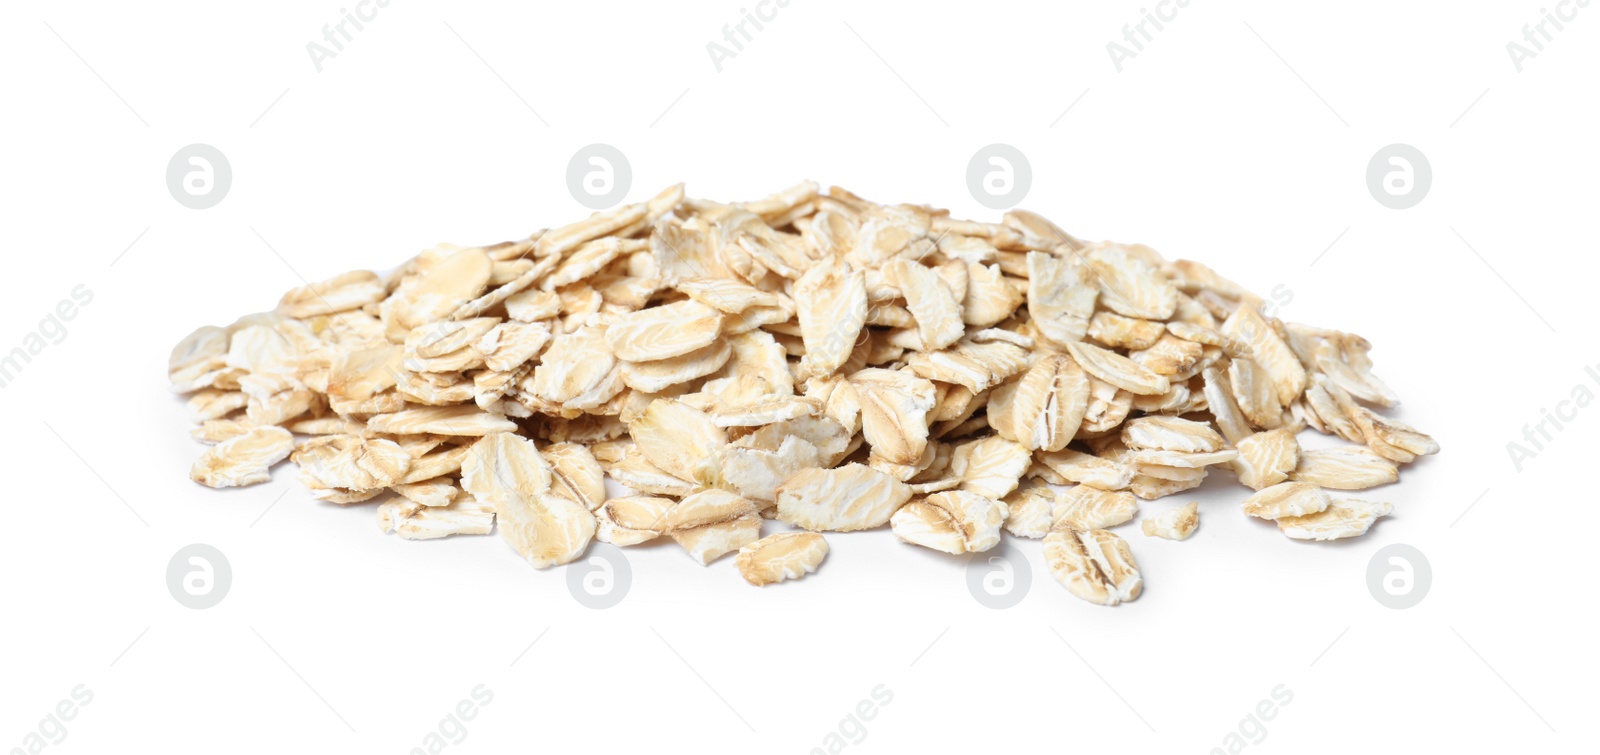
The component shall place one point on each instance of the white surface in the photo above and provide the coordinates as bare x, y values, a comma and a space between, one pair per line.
1206, 146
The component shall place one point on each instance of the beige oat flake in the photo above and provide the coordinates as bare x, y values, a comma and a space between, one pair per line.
1173, 524
1344, 517
243, 459
954, 521
1345, 468
1096, 565
851, 497
1286, 499
786, 555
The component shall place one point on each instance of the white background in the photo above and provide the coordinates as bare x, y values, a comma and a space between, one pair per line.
431, 126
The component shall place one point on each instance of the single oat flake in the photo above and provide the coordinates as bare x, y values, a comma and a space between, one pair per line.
1174, 524
1344, 517
737, 377
1096, 565
786, 555
954, 521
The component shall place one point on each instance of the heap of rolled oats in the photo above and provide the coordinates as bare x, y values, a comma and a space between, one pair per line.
813, 358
